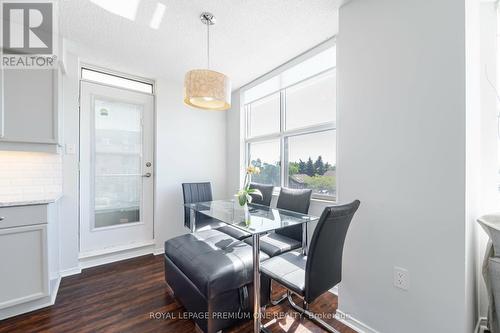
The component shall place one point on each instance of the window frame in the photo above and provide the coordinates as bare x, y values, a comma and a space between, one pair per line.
283, 135
151, 84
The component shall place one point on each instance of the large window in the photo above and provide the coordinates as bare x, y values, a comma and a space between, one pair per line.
290, 130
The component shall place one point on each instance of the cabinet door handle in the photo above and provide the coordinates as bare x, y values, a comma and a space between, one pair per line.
2, 218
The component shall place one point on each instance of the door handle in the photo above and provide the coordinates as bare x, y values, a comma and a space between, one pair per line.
2, 218
147, 174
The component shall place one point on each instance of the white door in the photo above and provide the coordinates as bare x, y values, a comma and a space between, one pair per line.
116, 168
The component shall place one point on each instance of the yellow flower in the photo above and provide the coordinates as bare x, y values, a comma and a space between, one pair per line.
253, 170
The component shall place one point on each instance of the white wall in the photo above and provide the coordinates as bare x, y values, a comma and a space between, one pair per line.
68, 224
490, 199
402, 135
235, 149
473, 157
191, 147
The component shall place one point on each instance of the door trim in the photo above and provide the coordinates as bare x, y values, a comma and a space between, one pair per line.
117, 226
114, 254
118, 74
83, 256
125, 75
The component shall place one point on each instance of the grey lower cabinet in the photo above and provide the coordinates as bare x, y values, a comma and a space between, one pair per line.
30, 112
23, 254
25, 260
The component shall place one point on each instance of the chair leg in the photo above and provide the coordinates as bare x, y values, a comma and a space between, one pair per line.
279, 300
310, 315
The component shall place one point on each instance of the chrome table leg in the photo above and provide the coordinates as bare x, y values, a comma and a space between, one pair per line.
256, 283
304, 239
192, 218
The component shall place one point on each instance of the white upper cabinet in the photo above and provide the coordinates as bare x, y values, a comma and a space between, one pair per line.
30, 109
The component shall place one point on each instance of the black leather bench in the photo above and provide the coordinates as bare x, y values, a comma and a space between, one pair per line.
211, 273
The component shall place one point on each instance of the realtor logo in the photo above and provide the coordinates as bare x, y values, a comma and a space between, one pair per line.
27, 28
28, 34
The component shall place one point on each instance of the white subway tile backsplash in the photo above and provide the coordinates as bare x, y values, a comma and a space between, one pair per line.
29, 176
7, 190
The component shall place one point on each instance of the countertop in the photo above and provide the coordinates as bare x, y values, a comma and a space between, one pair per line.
29, 202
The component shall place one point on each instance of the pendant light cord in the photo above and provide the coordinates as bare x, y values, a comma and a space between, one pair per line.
208, 45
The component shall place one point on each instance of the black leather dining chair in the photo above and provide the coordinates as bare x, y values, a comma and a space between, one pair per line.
297, 200
198, 192
311, 275
265, 190
289, 238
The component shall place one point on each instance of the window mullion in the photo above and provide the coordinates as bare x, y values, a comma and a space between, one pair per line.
247, 121
283, 145
285, 161
247, 162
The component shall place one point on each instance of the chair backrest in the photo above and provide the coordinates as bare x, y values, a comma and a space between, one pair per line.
267, 194
297, 200
195, 192
324, 257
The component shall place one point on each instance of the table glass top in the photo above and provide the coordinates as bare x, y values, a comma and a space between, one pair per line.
254, 219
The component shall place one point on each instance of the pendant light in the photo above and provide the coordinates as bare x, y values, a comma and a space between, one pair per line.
204, 88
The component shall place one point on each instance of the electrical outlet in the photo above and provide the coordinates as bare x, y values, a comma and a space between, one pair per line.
401, 278
70, 149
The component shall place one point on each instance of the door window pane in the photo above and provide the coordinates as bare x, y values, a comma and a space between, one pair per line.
312, 162
118, 156
266, 156
264, 116
113, 80
311, 102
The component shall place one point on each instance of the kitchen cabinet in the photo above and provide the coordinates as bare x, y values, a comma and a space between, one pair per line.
30, 112
24, 264
27, 261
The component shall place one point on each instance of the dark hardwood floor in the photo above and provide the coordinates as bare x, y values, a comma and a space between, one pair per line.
120, 297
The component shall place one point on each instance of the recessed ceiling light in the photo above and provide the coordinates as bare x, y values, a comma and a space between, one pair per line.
126, 9
157, 15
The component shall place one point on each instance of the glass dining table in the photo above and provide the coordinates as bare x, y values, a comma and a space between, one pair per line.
255, 220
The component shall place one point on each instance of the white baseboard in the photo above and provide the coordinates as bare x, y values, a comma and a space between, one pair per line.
54, 289
353, 323
335, 290
33, 305
97, 258
115, 249
70, 271
158, 251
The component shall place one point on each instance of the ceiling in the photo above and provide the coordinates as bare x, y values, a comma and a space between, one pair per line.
251, 37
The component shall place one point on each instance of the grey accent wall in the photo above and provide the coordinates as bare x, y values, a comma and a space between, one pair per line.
404, 129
